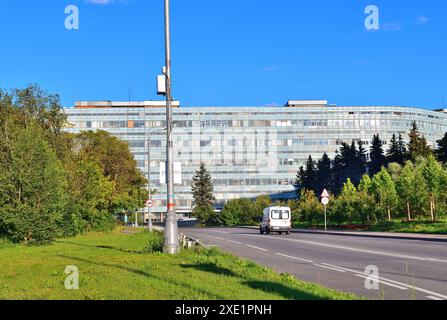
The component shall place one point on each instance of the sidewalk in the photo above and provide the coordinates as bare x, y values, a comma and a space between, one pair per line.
369, 234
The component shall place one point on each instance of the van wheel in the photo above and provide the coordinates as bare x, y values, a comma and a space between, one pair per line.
288, 233
261, 231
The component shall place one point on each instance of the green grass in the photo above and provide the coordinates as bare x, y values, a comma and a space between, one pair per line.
424, 227
118, 266
412, 227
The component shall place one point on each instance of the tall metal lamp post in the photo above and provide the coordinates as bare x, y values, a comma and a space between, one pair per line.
171, 244
149, 176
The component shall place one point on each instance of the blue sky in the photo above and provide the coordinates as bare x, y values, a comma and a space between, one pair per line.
230, 52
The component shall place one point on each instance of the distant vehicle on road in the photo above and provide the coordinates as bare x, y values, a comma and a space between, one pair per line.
276, 219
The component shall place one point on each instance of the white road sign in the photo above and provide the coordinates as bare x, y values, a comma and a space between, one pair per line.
150, 203
325, 194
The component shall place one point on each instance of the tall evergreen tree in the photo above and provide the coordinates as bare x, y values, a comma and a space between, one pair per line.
202, 191
337, 174
323, 173
392, 155
299, 181
402, 150
377, 158
417, 146
363, 158
310, 178
441, 151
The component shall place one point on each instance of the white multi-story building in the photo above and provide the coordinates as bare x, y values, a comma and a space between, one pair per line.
249, 151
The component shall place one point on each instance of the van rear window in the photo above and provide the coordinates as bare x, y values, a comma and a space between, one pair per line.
280, 214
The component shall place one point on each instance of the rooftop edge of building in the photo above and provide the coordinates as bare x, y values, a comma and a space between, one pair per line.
121, 104
102, 104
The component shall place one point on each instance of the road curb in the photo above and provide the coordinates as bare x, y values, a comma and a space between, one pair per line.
409, 236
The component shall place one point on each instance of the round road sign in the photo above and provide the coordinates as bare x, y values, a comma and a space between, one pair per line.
150, 203
325, 201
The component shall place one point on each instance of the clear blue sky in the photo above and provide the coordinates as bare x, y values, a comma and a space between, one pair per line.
230, 52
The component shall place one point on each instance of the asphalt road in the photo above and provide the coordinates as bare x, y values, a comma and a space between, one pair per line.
408, 269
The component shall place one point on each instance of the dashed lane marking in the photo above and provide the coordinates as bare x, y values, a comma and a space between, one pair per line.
235, 242
257, 248
331, 268
382, 282
294, 258
434, 294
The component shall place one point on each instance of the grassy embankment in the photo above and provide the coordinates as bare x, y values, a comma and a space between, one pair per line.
129, 266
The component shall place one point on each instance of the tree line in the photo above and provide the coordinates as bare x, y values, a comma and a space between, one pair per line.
353, 161
55, 184
407, 181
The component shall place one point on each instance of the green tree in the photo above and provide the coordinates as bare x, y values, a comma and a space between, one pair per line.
349, 198
259, 205
117, 165
412, 190
417, 147
397, 151
32, 187
202, 191
309, 208
323, 177
385, 193
433, 173
89, 192
310, 178
299, 181
239, 212
441, 151
377, 158
365, 200
395, 170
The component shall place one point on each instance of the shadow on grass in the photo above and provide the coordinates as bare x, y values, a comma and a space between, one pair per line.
104, 247
210, 268
277, 288
282, 290
147, 275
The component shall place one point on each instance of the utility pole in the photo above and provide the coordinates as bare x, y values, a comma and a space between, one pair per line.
171, 241
149, 211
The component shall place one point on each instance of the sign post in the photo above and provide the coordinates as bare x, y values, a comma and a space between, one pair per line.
325, 201
149, 204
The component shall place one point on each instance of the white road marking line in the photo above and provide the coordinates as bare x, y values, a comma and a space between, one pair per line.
434, 298
396, 255
235, 242
218, 238
334, 269
295, 258
257, 248
383, 282
222, 232
346, 269
396, 282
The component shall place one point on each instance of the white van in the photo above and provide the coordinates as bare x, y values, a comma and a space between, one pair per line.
276, 219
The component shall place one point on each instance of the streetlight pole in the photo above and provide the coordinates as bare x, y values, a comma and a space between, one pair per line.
149, 211
171, 245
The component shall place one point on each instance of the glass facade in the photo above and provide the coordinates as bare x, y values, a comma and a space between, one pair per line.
249, 151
